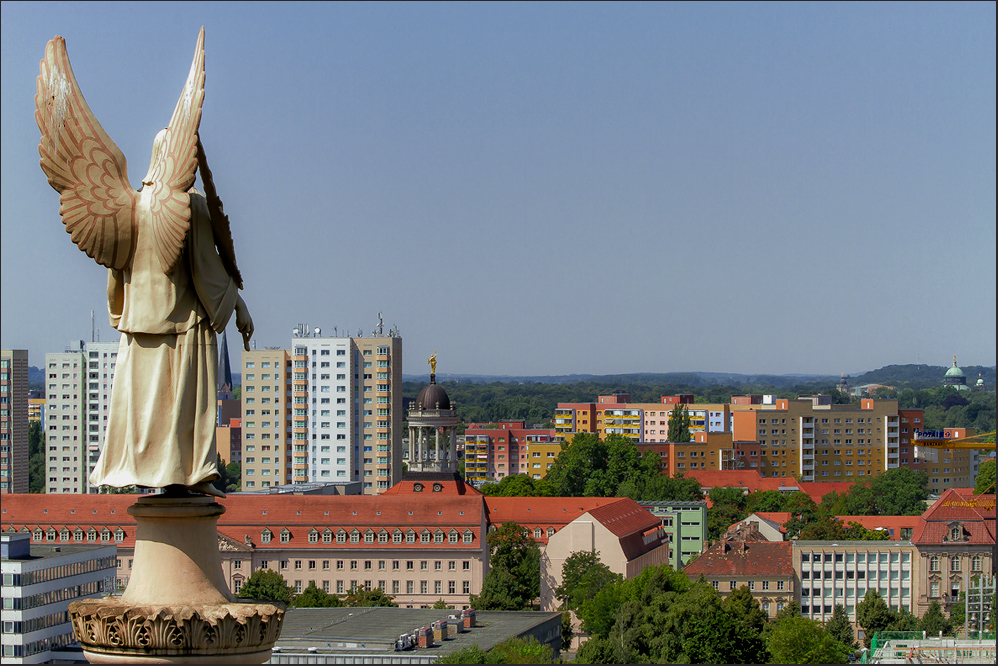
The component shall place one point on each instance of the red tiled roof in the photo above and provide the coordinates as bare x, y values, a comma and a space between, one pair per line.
958, 505
249, 515
543, 512
962, 504
893, 524
777, 517
755, 558
749, 479
625, 517
818, 489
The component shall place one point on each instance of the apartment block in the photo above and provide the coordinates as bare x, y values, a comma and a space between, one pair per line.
36, 408
493, 451
685, 525
266, 419
13, 421
327, 411
78, 383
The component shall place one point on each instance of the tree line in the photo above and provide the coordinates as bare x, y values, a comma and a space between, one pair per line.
535, 402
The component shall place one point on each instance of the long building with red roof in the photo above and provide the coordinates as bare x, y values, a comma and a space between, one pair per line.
417, 545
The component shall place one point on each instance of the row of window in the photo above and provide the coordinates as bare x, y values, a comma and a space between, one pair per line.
61, 571
763, 585
355, 565
382, 536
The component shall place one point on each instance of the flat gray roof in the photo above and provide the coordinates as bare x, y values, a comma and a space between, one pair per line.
43, 552
330, 630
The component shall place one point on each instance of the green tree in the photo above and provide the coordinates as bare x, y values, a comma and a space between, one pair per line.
766, 501
367, 597
313, 597
984, 483
510, 651
798, 640
803, 510
228, 481
743, 607
440, 604
583, 575
727, 509
873, 615
517, 485
266, 585
935, 620
467, 655
660, 487
522, 651
36, 458
599, 650
903, 620
900, 492
679, 424
513, 580
840, 628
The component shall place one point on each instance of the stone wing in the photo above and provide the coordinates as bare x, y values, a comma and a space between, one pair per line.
175, 161
83, 164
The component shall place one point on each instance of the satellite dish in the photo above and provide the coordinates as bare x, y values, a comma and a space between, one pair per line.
318, 331
294, 332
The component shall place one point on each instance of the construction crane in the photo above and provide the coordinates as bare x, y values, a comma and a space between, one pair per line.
932, 439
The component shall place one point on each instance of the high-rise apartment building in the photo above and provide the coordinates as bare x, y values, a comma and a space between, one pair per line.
14, 421
78, 396
333, 413
266, 421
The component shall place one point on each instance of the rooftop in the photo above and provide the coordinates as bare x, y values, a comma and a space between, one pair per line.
373, 630
755, 558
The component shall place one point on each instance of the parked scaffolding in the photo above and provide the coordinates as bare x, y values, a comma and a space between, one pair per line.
914, 647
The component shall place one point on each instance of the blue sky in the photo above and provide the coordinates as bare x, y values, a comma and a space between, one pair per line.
552, 188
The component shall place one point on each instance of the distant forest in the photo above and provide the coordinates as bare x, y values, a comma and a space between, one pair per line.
535, 402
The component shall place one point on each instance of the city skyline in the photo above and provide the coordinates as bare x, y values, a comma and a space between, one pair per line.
745, 188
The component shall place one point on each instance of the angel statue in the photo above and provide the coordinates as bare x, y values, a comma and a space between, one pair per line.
169, 290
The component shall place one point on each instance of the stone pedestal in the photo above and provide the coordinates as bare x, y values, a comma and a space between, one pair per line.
177, 607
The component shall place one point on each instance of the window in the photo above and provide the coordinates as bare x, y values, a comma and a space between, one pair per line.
955, 564
934, 564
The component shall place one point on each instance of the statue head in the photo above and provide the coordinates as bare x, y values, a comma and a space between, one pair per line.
157, 150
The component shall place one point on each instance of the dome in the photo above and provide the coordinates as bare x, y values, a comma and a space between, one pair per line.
955, 372
432, 396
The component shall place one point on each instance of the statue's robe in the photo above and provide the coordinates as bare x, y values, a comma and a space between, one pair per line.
161, 422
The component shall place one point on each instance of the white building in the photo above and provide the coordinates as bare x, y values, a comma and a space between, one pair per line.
328, 411
78, 394
39, 581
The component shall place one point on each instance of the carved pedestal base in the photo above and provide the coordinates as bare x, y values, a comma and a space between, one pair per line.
235, 633
177, 607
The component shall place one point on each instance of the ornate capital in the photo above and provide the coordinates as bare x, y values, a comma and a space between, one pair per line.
111, 631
